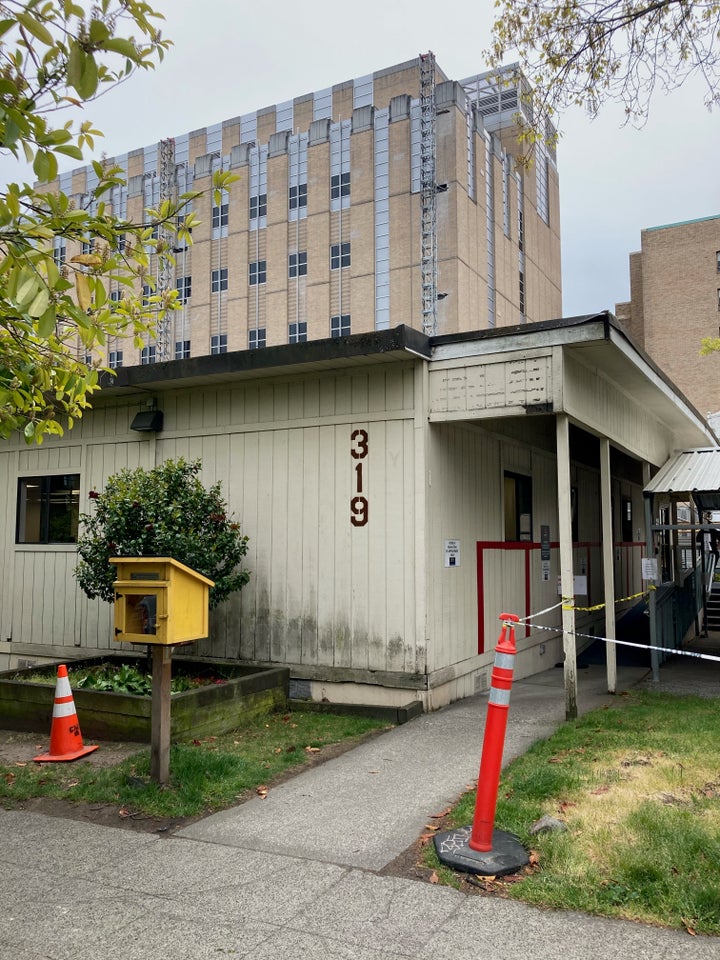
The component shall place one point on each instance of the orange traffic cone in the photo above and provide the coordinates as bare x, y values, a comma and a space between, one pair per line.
66, 742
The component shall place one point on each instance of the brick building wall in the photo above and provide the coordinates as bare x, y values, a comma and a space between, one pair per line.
675, 303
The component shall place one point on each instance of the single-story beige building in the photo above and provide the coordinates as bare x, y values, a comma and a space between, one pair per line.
399, 493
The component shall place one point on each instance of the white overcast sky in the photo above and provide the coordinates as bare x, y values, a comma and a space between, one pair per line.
232, 58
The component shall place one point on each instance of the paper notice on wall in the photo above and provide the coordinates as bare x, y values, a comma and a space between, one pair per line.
452, 553
649, 567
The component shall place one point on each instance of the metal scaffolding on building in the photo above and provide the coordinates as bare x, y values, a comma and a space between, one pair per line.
166, 269
428, 218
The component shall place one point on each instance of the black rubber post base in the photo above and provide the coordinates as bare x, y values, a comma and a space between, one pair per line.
507, 855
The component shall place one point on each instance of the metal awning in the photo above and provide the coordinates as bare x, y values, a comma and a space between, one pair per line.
692, 472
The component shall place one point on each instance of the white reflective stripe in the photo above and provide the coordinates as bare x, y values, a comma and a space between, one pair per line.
506, 661
499, 697
64, 709
62, 687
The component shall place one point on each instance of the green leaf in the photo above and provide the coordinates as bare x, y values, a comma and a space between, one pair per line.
40, 303
46, 323
70, 150
125, 48
37, 29
87, 85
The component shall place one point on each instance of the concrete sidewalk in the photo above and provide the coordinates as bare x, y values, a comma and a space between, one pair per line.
294, 876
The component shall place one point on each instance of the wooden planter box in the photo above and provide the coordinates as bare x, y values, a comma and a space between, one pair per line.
201, 712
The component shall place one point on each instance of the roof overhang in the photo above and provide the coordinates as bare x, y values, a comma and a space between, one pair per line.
380, 346
599, 342
690, 473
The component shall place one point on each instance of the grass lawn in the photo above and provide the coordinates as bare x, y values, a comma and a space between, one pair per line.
638, 786
205, 775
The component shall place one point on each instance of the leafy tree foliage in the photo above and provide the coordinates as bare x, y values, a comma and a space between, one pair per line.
162, 512
586, 52
55, 57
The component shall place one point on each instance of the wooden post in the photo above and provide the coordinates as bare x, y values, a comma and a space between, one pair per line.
160, 714
567, 582
608, 564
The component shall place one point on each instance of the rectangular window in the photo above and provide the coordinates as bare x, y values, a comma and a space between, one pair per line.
184, 289
59, 251
219, 280
297, 264
182, 349
340, 326
146, 294
257, 339
258, 206
518, 507
339, 186
717, 260
148, 354
297, 196
339, 255
220, 215
218, 344
115, 296
115, 359
522, 293
258, 272
297, 332
88, 245
48, 509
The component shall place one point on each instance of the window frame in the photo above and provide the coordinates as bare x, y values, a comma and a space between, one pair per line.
297, 264
340, 255
339, 185
297, 335
297, 196
220, 215
45, 503
257, 272
182, 349
259, 340
258, 206
183, 285
219, 280
340, 325
218, 344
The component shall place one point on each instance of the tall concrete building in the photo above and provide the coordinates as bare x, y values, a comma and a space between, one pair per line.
390, 199
675, 302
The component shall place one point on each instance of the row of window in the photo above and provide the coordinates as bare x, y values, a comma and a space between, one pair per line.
257, 339
257, 272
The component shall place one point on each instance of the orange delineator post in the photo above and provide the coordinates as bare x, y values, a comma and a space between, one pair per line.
494, 739
66, 742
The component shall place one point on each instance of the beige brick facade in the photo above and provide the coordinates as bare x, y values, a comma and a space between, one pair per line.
308, 256
675, 303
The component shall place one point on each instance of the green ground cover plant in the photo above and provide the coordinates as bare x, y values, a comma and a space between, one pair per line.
205, 775
120, 678
638, 786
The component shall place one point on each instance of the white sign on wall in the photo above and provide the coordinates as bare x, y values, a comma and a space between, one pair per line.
452, 553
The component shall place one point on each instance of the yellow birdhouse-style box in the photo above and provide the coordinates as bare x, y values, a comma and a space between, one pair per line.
160, 600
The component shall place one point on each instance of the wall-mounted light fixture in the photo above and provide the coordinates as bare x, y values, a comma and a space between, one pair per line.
148, 421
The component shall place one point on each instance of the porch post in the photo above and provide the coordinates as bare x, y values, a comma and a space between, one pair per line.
608, 565
652, 603
567, 586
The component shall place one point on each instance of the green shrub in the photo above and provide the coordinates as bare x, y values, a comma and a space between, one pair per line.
162, 512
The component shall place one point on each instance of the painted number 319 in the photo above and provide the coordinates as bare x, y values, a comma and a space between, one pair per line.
358, 503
